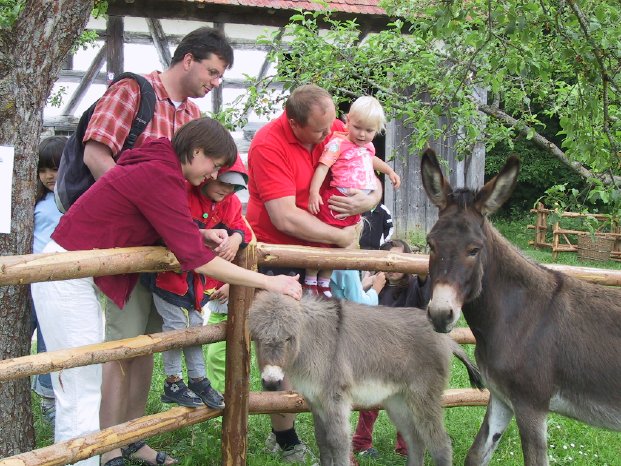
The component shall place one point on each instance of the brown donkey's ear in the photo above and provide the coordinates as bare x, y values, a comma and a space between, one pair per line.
497, 190
436, 185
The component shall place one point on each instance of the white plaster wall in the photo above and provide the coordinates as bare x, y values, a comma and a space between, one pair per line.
143, 59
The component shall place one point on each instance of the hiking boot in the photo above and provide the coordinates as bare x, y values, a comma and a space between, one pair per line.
210, 396
177, 392
271, 445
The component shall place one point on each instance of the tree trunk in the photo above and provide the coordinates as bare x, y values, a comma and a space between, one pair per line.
31, 54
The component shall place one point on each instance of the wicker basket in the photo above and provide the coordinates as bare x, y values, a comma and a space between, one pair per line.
596, 248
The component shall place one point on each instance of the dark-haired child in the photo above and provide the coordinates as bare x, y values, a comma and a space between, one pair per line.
46, 217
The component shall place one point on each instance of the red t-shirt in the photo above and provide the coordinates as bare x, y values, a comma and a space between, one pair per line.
140, 202
279, 166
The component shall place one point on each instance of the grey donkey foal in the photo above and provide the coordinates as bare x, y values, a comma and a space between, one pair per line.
337, 353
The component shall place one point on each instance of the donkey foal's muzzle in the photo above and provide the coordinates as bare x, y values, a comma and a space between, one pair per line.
271, 378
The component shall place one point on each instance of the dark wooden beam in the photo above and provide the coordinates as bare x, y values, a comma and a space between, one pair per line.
89, 76
216, 94
68, 62
145, 38
227, 13
115, 47
266, 63
76, 76
160, 41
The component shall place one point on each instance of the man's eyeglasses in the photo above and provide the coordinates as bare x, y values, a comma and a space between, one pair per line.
214, 74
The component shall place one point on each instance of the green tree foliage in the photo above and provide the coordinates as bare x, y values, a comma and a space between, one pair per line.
538, 60
538, 172
9, 11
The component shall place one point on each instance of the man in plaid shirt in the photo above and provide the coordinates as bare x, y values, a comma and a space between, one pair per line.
197, 67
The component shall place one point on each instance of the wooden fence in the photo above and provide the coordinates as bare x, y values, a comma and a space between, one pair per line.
239, 400
564, 239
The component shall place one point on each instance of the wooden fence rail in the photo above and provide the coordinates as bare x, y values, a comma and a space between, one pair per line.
170, 420
16, 270
239, 401
564, 239
52, 361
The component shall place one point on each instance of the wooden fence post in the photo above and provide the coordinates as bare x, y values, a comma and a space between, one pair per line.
237, 381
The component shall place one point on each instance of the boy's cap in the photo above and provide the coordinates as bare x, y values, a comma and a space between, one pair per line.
234, 178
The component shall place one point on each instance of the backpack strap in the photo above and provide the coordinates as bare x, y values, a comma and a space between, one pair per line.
145, 110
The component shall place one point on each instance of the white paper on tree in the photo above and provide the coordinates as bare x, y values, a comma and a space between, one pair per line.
7, 155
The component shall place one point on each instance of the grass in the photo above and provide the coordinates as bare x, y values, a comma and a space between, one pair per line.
570, 442
519, 235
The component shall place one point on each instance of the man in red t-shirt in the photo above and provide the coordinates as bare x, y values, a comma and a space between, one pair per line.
281, 162
197, 67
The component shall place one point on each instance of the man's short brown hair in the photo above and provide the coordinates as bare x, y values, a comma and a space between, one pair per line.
202, 43
303, 99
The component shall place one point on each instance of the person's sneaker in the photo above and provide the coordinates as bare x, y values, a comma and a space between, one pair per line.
369, 453
324, 291
179, 393
401, 451
210, 396
271, 445
299, 453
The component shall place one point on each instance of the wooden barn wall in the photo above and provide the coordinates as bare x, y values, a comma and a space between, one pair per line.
411, 210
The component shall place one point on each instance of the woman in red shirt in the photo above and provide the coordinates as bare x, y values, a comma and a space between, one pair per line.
142, 201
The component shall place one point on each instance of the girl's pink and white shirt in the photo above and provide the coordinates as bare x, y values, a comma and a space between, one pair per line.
351, 165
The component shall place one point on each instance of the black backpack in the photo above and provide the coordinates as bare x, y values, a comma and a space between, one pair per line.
74, 177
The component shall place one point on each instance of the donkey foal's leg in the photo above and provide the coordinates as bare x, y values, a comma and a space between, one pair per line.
497, 418
429, 422
402, 417
321, 437
336, 410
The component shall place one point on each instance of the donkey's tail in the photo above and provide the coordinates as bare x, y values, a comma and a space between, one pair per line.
473, 371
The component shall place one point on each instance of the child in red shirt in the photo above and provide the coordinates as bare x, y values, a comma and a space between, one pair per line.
179, 297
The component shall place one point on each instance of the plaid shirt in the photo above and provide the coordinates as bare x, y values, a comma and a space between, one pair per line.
117, 108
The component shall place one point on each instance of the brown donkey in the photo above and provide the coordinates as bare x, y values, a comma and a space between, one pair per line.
338, 352
545, 341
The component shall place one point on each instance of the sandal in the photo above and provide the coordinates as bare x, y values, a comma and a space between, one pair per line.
132, 448
118, 461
